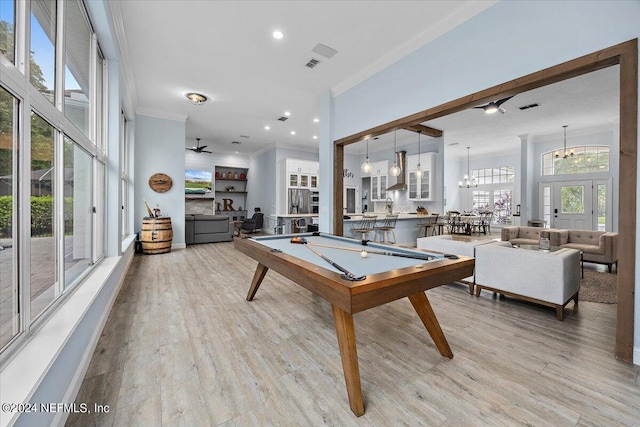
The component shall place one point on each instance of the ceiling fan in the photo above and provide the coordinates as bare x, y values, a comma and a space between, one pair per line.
199, 149
495, 106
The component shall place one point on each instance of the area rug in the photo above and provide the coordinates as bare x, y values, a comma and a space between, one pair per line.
598, 287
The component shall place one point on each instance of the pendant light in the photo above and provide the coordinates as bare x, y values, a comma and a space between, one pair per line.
366, 166
565, 153
467, 180
418, 169
395, 170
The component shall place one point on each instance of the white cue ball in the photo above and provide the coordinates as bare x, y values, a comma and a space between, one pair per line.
364, 254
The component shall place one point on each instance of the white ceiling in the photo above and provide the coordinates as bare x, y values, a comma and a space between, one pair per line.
225, 50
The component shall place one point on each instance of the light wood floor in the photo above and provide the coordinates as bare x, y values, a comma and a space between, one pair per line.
183, 347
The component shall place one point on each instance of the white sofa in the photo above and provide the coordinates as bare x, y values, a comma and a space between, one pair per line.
548, 278
446, 244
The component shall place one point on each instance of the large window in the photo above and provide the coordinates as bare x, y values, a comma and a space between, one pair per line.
496, 200
78, 207
500, 175
43, 215
9, 313
124, 178
492, 193
62, 220
586, 159
77, 67
43, 47
7, 30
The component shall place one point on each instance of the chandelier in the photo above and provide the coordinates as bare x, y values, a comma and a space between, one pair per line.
566, 153
468, 181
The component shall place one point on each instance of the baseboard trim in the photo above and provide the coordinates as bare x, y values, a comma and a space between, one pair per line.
636, 355
175, 246
74, 387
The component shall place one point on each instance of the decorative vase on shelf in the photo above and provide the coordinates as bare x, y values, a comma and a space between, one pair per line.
235, 175
229, 175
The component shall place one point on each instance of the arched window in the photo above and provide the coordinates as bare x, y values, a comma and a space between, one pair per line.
585, 159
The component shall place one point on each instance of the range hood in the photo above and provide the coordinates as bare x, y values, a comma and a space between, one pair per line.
400, 185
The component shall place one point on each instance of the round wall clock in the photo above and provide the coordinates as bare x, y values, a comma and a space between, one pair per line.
160, 182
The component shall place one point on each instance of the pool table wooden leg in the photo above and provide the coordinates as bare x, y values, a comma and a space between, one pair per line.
261, 270
422, 306
347, 343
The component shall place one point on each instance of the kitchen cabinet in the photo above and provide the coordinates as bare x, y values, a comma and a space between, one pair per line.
302, 174
379, 180
421, 188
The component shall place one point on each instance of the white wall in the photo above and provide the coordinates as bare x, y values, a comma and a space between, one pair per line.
261, 186
532, 36
160, 148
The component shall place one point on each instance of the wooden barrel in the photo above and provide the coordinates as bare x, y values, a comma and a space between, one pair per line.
156, 235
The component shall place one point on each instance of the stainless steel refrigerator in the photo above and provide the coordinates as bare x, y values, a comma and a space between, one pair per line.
299, 201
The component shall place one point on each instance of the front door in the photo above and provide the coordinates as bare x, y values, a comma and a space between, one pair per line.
572, 206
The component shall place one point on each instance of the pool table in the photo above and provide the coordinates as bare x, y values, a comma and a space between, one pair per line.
375, 280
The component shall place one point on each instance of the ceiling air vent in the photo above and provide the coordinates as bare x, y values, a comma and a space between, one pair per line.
244, 136
453, 143
283, 118
526, 107
236, 142
312, 63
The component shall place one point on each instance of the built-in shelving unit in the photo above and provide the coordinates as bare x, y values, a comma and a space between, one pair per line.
230, 188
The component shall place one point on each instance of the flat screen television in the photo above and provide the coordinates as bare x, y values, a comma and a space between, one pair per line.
197, 182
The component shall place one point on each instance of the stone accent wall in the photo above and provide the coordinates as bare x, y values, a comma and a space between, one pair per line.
199, 206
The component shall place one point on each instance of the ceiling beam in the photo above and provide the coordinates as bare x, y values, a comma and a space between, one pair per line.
425, 130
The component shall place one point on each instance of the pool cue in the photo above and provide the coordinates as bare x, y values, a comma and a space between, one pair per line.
346, 273
416, 256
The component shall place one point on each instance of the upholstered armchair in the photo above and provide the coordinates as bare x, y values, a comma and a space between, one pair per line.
253, 224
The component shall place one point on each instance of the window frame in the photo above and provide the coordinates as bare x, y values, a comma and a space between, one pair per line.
15, 79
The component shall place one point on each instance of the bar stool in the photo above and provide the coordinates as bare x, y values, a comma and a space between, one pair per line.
430, 226
299, 225
364, 226
388, 226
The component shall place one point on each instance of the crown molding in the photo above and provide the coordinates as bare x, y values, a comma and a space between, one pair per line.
121, 40
461, 14
161, 114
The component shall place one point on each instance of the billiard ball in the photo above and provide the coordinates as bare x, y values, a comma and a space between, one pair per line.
364, 254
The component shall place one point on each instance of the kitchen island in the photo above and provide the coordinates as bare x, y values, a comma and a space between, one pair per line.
406, 230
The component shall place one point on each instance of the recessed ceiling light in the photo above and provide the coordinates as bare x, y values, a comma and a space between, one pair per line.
267, 127
293, 132
315, 136
278, 34
196, 98
236, 151
286, 113
316, 120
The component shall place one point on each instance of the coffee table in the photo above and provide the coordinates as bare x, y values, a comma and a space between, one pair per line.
552, 249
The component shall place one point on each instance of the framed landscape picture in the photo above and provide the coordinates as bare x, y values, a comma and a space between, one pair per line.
197, 182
